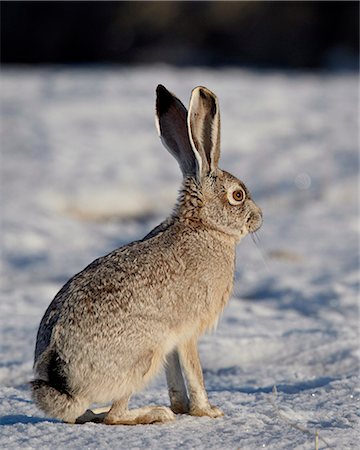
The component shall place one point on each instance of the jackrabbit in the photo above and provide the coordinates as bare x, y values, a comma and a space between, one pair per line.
113, 326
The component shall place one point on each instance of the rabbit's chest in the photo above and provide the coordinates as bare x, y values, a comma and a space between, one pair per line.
216, 304
204, 287
217, 293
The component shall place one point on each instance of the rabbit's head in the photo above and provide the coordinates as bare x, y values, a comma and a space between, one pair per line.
213, 196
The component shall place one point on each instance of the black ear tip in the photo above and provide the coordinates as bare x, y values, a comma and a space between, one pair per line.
160, 88
163, 99
202, 92
209, 97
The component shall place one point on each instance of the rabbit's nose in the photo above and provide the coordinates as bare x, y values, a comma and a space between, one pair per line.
254, 221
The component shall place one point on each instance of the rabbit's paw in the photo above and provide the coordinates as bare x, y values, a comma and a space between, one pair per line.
144, 415
209, 411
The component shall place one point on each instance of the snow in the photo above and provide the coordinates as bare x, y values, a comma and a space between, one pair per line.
83, 172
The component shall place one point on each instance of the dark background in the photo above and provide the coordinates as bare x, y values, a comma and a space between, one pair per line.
260, 34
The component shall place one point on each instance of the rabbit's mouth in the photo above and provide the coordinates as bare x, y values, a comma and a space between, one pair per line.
254, 221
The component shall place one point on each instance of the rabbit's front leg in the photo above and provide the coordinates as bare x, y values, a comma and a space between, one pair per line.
179, 401
199, 402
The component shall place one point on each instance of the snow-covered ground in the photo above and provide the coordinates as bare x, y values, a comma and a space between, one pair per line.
83, 172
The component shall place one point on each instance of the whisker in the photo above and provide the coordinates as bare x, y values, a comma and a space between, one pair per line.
256, 240
255, 237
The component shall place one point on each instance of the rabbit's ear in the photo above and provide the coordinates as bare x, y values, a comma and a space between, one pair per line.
171, 123
204, 127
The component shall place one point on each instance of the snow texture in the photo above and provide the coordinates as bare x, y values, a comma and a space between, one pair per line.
83, 172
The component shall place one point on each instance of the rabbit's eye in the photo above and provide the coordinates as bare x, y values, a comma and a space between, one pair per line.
238, 195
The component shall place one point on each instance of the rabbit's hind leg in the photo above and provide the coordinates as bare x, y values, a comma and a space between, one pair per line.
119, 414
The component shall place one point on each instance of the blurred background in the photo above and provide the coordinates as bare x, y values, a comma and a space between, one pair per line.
262, 34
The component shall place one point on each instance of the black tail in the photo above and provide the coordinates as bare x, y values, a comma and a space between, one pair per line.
54, 403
